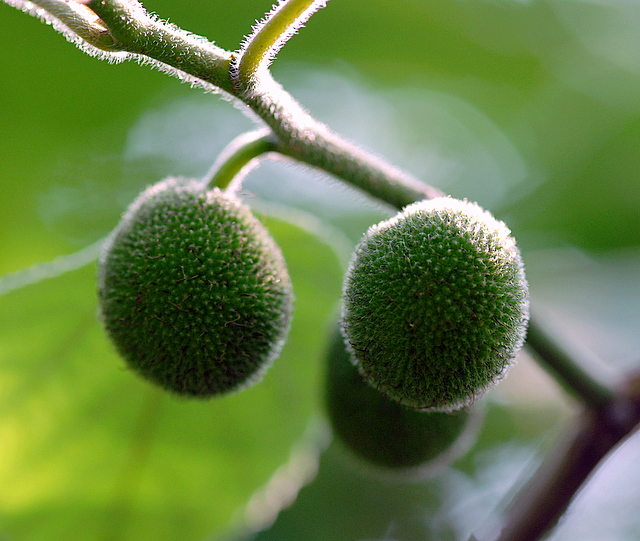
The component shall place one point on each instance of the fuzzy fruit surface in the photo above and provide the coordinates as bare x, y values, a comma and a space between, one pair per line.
193, 290
381, 431
436, 304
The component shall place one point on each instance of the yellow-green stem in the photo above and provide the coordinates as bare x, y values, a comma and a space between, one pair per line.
271, 34
236, 159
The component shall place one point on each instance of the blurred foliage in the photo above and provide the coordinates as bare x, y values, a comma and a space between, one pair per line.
90, 451
532, 108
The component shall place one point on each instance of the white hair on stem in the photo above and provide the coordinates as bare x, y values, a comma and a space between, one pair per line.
83, 27
77, 23
269, 35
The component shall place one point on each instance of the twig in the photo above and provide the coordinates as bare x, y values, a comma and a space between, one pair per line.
569, 371
542, 501
268, 37
299, 136
237, 159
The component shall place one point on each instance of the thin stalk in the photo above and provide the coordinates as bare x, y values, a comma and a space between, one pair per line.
271, 34
566, 369
237, 159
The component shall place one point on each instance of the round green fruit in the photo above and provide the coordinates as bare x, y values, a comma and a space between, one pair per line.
193, 290
384, 433
436, 304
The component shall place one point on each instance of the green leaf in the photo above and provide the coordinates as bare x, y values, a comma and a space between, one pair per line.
90, 451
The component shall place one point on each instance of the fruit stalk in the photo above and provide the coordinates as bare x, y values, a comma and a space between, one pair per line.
238, 158
269, 36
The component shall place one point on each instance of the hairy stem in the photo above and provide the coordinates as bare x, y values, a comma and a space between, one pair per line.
271, 34
134, 31
75, 20
124, 28
237, 159
304, 139
299, 136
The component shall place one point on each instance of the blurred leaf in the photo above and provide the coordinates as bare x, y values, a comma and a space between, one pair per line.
350, 503
92, 452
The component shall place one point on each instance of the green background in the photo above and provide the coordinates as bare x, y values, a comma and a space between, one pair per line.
531, 108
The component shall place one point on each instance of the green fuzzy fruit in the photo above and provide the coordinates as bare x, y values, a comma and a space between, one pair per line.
383, 432
436, 304
193, 290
